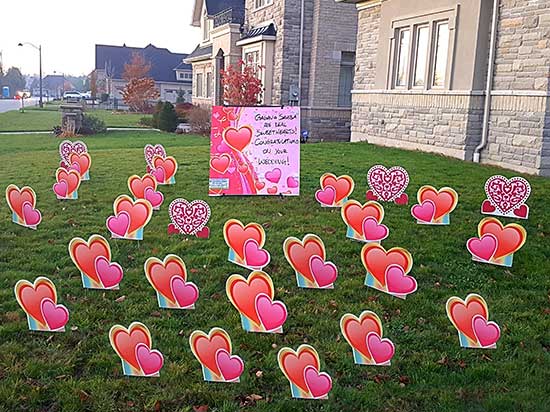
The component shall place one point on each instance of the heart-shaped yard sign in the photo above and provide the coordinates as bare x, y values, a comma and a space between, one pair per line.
246, 244
253, 298
189, 218
22, 203
151, 151
388, 271
496, 243
506, 197
334, 190
169, 279
470, 318
130, 218
301, 368
307, 258
387, 185
434, 206
39, 301
66, 148
93, 259
364, 222
67, 184
213, 351
364, 335
133, 346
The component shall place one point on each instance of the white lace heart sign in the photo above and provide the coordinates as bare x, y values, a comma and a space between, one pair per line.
66, 148
387, 184
189, 217
151, 151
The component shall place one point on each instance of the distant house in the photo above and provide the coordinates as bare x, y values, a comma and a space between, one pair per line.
53, 86
168, 69
306, 50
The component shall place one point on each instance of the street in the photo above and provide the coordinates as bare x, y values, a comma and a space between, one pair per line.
12, 104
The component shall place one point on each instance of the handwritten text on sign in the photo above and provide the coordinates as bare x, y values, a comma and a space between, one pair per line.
255, 151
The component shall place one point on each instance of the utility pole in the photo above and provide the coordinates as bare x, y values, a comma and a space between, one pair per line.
39, 48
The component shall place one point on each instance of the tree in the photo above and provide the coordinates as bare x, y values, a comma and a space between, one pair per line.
138, 68
93, 85
167, 118
14, 80
137, 93
241, 85
181, 96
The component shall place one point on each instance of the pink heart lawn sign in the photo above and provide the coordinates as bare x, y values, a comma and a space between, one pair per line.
387, 185
507, 197
66, 148
151, 151
189, 217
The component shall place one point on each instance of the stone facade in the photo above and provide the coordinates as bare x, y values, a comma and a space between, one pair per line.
519, 131
329, 29
450, 121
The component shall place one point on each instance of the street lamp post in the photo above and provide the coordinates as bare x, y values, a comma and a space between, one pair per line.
39, 48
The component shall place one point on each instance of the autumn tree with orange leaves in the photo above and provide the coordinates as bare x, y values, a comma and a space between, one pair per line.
140, 88
138, 68
241, 85
138, 92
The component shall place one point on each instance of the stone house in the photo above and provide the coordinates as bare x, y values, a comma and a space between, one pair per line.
464, 78
168, 70
306, 49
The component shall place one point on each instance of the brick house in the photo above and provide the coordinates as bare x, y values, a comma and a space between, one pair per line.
168, 70
421, 79
307, 49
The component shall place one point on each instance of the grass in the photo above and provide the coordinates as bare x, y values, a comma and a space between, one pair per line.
78, 370
36, 119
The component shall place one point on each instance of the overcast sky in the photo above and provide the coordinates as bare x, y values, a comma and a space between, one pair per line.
69, 30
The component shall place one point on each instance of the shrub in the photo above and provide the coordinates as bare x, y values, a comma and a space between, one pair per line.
183, 109
199, 119
167, 118
156, 113
92, 125
147, 121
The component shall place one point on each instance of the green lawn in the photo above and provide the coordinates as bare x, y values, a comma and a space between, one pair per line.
78, 370
36, 119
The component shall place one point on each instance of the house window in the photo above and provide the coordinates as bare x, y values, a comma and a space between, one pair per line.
441, 54
252, 58
205, 27
422, 51
262, 3
347, 68
402, 57
421, 55
208, 84
199, 85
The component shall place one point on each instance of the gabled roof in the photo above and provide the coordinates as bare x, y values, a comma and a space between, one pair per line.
214, 7
200, 53
162, 60
183, 66
268, 30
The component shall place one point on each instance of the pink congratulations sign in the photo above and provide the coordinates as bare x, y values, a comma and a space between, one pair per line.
255, 151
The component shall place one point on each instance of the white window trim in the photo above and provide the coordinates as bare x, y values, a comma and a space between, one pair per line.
412, 22
268, 3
